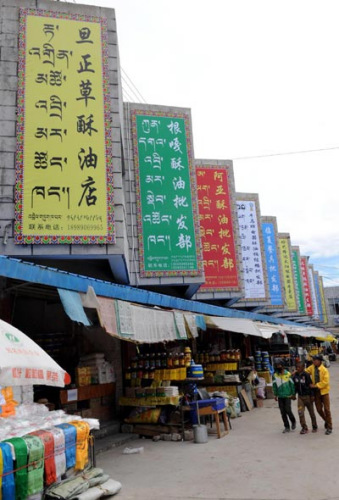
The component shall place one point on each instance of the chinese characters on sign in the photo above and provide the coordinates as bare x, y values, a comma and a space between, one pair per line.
318, 295
298, 281
64, 191
313, 292
323, 302
167, 213
251, 251
272, 263
307, 288
216, 229
286, 263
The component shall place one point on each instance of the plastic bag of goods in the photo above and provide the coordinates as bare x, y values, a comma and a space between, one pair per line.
146, 416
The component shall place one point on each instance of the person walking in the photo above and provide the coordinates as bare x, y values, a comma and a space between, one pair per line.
321, 384
302, 382
284, 392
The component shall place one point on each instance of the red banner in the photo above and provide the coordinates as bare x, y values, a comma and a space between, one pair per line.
307, 288
216, 229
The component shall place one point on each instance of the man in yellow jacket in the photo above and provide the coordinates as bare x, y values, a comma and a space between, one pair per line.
321, 384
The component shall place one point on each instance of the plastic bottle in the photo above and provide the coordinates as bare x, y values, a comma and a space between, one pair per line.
170, 361
181, 359
188, 356
164, 360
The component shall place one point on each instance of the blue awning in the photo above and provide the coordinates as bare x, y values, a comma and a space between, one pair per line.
43, 275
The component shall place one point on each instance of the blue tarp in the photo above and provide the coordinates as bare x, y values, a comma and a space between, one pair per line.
73, 306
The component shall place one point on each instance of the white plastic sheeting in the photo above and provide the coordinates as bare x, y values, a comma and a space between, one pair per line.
306, 331
245, 326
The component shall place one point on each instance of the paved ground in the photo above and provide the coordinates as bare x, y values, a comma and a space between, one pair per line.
255, 461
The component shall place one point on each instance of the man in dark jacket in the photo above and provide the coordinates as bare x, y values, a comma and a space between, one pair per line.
284, 392
302, 382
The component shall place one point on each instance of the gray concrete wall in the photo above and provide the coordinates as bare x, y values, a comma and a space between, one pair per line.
131, 204
9, 26
332, 301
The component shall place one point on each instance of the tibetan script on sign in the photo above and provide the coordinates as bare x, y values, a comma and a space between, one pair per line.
287, 269
169, 242
306, 285
253, 269
272, 263
64, 191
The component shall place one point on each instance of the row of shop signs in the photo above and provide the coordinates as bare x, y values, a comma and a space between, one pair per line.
191, 222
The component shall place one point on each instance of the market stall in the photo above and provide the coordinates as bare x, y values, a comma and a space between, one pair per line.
39, 448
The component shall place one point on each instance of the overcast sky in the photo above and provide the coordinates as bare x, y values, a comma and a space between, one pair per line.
261, 78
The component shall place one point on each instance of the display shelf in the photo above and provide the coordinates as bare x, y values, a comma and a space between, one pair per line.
216, 384
160, 401
217, 366
85, 392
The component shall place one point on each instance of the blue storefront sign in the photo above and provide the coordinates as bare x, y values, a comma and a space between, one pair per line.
272, 265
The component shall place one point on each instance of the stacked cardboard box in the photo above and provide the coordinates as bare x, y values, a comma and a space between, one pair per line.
97, 368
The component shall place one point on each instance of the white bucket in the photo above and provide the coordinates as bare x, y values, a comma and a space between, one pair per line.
200, 433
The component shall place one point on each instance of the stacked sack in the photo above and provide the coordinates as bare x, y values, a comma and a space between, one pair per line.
23, 394
7, 402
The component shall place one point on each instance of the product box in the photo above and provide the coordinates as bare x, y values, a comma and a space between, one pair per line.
83, 376
269, 391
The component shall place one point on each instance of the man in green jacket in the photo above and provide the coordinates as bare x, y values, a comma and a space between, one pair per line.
284, 392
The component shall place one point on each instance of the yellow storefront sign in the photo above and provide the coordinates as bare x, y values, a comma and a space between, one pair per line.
287, 271
323, 301
64, 172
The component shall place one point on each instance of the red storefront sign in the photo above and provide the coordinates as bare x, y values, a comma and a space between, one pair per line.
216, 229
306, 284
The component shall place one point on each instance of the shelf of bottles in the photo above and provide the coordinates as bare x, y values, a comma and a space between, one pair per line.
219, 361
158, 367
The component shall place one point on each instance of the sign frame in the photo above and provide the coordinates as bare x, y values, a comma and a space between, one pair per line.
268, 219
72, 236
144, 273
228, 169
254, 197
296, 250
286, 236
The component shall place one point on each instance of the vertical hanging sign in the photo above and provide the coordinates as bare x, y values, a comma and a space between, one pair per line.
306, 284
64, 191
216, 229
323, 301
313, 292
168, 227
318, 296
286, 263
272, 264
298, 280
253, 267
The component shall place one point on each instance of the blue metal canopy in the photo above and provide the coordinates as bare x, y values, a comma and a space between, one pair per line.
43, 275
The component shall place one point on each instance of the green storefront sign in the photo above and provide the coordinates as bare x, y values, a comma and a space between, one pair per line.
298, 281
166, 210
